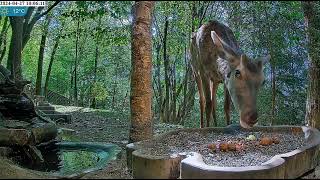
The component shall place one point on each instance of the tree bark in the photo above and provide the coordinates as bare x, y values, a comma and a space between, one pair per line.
94, 104
41, 55
160, 94
14, 56
166, 74
141, 77
4, 38
312, 21
75, 90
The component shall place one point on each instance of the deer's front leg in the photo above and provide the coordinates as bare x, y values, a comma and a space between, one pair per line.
214, 103
201, 98
227, 104
207, 96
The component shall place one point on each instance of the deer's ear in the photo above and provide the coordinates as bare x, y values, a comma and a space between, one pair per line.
244, 60
216, 39
224, 50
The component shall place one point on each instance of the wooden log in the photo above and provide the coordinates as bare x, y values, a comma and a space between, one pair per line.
44, 133
10, 137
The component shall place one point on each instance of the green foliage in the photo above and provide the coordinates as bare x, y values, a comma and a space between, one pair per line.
99, 91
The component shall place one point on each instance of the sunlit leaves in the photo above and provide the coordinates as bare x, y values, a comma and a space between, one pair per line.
99, 91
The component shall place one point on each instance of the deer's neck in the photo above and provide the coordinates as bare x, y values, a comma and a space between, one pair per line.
223, 68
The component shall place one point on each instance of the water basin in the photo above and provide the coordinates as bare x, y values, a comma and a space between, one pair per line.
73, 159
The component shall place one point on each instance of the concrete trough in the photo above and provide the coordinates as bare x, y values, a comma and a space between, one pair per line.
282, 166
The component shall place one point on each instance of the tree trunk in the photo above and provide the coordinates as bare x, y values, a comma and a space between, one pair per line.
75, 90
273, 79
14, 56
21, 30
55, 47
174, 95
115, 83
141, 77
312, 14
94, 104
4, 38
160, 94
166, 74
41, 54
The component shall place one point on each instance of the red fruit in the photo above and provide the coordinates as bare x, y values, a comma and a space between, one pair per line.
232, 147
265, 141
223, 147
212, 147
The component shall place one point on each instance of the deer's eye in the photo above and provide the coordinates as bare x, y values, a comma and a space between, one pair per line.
237, 73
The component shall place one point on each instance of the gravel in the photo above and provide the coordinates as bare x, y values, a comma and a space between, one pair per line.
252, 153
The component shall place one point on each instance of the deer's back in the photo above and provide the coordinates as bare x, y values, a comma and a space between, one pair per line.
205, 56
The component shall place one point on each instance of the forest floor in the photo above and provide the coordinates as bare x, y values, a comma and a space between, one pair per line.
93, 125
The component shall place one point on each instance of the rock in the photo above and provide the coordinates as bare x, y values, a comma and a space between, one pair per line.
16, 107
2, 79
5, 151
16, 124
34, 154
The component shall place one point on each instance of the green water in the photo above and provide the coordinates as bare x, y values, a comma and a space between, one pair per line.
74, 161
75, 157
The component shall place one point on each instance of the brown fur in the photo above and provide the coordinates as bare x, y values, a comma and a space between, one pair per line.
215, 56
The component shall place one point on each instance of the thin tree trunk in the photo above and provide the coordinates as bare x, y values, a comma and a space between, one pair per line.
174, 95
160, 95
75, 90
115, 86
41, 55
94, 104
312, 14
71, 83
273, 79
141, 75
55, 47
166, 74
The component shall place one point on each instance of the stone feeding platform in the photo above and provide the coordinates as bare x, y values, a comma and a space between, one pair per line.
227, 152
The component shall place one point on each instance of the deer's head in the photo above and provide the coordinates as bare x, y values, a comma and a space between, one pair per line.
243, 81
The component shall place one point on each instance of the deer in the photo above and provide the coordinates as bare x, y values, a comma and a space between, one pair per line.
217, 58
